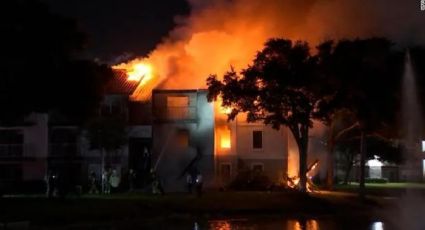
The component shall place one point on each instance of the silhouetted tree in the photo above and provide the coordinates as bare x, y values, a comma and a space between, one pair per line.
39, 66
365, 76
281, 87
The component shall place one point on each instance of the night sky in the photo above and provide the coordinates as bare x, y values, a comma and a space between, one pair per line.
116, 28
122, 29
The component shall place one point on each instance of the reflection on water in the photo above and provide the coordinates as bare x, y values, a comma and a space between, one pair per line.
377, 226
309, 224
248, 225
302, 225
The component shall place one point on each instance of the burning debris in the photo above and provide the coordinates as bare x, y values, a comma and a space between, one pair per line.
293, 182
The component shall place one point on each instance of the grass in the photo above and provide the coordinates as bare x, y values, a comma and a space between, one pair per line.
387, 190
386, 185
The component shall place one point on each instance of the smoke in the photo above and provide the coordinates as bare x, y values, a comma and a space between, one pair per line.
223, 33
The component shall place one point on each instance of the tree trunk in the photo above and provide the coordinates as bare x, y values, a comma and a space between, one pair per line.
102, 169
300, 133
303, 150
362, 165
330, 158
348, 167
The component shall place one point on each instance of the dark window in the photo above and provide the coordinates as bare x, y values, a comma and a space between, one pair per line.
257, 139
10, 172
225, 171
11, 143
257, 168
11, 137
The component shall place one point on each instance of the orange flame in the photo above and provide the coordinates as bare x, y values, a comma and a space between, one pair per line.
142, 71
137, 70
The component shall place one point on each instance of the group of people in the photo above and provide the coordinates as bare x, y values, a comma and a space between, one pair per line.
110, 181
194, 180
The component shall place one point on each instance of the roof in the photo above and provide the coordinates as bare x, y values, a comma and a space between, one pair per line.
178, 90
120, 85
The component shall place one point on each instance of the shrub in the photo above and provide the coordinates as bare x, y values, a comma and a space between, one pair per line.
250, 180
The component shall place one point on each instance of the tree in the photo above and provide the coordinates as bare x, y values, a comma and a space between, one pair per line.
279, 88
357, 70
40, 70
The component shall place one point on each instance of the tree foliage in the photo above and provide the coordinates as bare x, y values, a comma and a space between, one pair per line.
279, 88
365, 77
40, 70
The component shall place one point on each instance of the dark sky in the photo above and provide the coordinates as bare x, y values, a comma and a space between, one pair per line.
116, 27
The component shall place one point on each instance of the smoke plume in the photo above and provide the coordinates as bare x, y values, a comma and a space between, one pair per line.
223, 33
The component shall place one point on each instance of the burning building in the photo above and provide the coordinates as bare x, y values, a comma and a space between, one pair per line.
190, 133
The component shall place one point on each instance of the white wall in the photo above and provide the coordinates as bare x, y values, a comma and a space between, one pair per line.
171, 159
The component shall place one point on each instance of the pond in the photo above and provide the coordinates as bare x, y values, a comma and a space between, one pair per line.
261, 224
251, 223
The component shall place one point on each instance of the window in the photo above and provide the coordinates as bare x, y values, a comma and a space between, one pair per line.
225, 171
182, 138
257, 139
178, 107
11, 143
11, 172
225, 139
257, 167
11, 136
177, 101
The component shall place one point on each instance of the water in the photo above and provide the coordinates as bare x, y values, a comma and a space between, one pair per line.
411, 125
250, 223
289, 224
410, 207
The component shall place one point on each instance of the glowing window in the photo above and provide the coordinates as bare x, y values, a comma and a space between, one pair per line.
182, 138
178, 107
177, 101
225, 140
